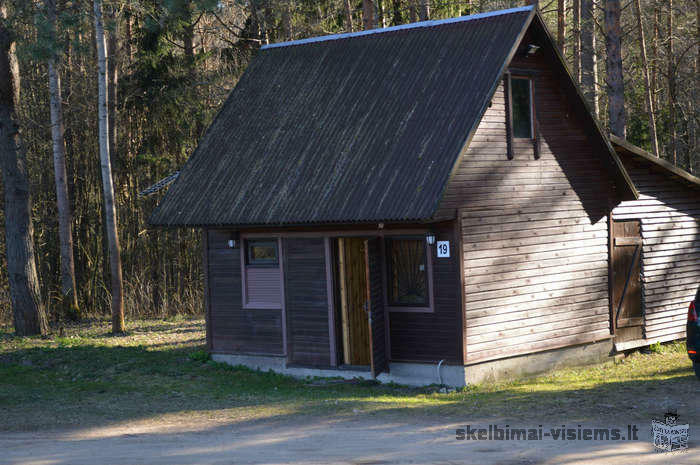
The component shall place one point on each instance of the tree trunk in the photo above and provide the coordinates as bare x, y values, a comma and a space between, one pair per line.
287, 20
396, 13
588, 55
645, 71
671, 88
107, 187
654, 63
28, 310
577, 40
112, 70
127, 33
561, 26
188, 44
694, 161
348, 16
368, 14
424, 10
615, 82
381, 16
69, 293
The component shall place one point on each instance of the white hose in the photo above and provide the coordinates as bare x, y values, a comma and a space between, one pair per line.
438, 371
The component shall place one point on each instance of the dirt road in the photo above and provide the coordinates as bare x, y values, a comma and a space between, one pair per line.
361, 440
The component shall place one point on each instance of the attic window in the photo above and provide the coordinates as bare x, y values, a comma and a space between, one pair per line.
521, 93
520, 111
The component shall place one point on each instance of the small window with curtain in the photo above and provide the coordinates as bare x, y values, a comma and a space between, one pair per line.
521, 107
407, 268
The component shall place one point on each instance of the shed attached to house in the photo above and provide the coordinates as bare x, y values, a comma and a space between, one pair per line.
420, 203
655, 248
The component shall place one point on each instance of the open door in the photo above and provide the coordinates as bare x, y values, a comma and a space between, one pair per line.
627, 287
375, 308
353, 302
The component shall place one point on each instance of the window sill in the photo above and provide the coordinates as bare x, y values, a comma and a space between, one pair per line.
410, 309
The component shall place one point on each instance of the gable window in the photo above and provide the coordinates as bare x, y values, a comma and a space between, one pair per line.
521, 94
407, 272
262, 274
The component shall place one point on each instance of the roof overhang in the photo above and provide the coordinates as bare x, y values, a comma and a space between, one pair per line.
622, 146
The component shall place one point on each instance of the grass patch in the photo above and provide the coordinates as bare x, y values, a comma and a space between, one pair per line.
160, 372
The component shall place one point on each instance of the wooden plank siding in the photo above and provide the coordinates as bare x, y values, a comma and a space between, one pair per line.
669, 210
534, 230
306, 301
235, 329
431, 337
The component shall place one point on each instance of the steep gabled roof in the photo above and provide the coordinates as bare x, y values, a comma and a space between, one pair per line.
349, 128
638, 154
359, 127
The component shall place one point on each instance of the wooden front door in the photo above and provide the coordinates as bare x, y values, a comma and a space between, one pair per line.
627, 316
354, 303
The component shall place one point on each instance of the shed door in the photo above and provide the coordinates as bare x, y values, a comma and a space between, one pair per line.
627, 288
375, 306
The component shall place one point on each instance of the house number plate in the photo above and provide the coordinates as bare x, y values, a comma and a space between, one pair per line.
443, 249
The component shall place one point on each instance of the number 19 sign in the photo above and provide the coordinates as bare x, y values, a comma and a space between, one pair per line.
443, 249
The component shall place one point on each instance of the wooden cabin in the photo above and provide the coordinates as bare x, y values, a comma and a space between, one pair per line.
426, 203
655, 251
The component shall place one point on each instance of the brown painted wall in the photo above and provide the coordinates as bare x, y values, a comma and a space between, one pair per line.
431, 337
427, 337
306, 301
233, 328
669, 210
534, 231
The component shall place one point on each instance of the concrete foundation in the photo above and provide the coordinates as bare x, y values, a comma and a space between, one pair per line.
411, 374
539, 362
422, 374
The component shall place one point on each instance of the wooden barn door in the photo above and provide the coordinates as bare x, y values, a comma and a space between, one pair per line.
627, 287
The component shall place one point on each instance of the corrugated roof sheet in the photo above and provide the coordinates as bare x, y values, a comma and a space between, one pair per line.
623, 146
360, 128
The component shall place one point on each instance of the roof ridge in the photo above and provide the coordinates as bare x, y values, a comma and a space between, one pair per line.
430, 23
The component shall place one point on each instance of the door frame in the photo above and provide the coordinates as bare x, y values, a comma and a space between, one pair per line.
339, 263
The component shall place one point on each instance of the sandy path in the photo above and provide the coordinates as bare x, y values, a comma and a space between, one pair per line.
360, 440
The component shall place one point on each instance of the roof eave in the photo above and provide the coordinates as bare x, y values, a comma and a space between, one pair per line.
647, 157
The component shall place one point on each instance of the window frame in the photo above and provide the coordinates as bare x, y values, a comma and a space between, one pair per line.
386, 269
265, 264
531, 97
276, 267
531, 75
